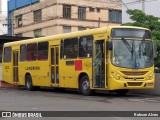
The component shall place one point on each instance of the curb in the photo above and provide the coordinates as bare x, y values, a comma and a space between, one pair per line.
6, 85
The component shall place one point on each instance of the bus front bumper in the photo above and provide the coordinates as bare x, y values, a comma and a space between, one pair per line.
125, 84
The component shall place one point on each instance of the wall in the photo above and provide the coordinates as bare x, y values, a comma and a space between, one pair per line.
3, 24
52, 16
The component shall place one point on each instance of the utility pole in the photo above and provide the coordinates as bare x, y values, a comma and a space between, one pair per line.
143, 5
99, 20
12, 23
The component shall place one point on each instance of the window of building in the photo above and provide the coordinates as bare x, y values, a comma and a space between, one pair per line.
42, 51
98, 10
115, 16
81, 28
38, 32
19, 35
67, 11
91, 9
19, 21
66, 29
85, 46
71, 48
31, 51
37, 15
23, 51
7, 54
81, 13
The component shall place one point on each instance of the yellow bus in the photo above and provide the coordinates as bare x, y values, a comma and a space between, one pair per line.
114, 58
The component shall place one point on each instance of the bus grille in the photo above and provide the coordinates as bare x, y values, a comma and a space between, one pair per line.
134, 78
134, 83
134, 73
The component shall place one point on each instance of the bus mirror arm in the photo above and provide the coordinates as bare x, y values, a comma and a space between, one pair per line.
155, 50
109, 45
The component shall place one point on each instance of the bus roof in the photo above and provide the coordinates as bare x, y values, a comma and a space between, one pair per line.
68, 35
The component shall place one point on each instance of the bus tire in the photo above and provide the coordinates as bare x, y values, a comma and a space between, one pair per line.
28, 83
85, 86
122, 92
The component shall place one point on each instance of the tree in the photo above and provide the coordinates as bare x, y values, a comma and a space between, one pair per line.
151, 22
38, 35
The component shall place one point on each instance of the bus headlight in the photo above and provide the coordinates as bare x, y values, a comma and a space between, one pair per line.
150, 76
116, 75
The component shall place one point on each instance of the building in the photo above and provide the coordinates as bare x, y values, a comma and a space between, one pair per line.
13, 5
3, 21
50, 17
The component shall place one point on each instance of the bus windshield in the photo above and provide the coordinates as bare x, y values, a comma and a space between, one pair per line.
132, 53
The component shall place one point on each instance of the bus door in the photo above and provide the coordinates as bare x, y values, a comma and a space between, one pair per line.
98, 66
15, 66
54, 65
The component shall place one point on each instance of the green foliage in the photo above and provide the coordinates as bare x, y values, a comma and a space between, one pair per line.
38, 35
151, 22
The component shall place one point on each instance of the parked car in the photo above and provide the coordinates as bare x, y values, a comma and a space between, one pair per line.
157, 70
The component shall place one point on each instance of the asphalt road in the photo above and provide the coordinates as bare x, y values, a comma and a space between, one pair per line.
51, 100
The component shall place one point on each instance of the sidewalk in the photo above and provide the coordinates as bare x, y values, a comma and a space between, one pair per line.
5, 85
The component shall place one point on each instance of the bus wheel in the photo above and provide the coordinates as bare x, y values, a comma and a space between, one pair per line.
28, 83
122, 92
85, 86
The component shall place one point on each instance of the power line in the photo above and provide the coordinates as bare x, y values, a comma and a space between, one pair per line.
132, 3
124, 4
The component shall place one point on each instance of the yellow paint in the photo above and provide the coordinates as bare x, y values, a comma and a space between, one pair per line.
68, 77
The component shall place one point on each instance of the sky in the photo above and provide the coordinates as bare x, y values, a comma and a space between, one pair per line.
151, 8
4, 7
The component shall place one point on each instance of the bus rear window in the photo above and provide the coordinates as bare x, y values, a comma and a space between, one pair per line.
7, 54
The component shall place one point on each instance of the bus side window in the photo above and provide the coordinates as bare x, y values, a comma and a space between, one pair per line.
71, 48
42, 51
23, 51
31, 51
85, 46
7, 54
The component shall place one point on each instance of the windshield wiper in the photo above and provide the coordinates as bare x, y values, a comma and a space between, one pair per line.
128, 45
140, 46
131, 49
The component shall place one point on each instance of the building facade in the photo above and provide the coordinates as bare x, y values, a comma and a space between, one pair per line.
15, 5
3, 21
50, 17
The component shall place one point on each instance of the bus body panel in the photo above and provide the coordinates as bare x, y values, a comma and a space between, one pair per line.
67, 71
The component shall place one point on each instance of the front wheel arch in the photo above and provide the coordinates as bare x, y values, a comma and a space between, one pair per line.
84, 86
80, 77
